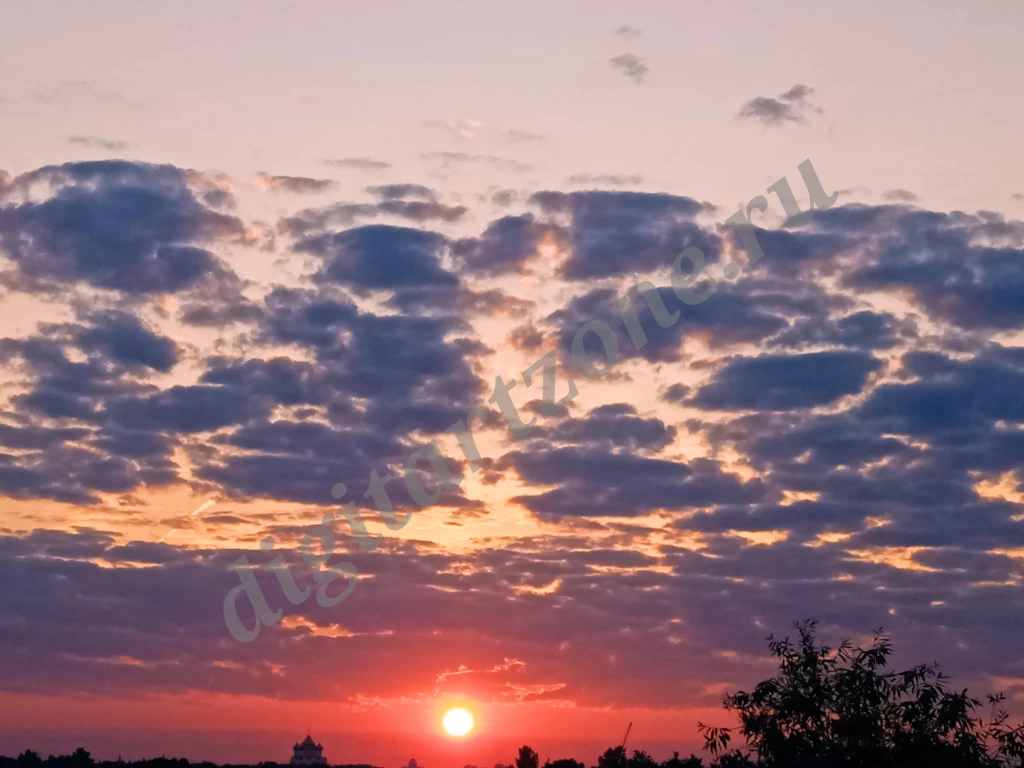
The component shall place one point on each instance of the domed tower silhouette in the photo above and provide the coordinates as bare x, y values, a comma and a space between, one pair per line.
308, 753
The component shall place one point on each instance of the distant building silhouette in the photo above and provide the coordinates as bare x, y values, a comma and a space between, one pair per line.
308, 753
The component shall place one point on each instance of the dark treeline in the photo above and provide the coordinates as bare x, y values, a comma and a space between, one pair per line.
830, 707
82, 759
826, 707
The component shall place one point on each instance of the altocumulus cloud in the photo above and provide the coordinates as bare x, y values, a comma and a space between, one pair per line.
789, 434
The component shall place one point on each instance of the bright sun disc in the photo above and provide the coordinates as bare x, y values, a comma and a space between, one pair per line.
458, 721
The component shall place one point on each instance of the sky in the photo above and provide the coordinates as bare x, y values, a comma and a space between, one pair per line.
249, 252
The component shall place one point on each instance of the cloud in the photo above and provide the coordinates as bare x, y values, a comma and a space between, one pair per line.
98, 142
962, 269
310, 221
731, 316
900, 196
502, 163
610, 179
615, 426
124, 339
622, 232
793, 106
795, 461
861, 330
302, 185
359, 163
630, 65
592, 481
785, 382
377, 256
676, 393
129, 227
70, 91
519, 136
462, 128
627, 32
505, 246
402, 192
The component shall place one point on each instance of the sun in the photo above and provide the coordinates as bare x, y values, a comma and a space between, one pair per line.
457, 721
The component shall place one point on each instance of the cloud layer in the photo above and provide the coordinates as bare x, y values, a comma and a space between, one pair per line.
837, 432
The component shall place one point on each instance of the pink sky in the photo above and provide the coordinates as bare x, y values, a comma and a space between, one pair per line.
248, 252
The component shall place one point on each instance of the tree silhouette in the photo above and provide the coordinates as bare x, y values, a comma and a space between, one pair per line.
641, 759
840, 707
29, 759
527, 758
677, 762
613, 757
565, 762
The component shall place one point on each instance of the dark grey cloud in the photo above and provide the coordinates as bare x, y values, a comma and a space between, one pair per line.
593, 482
402, 192
732, 315
861, 330
793, 106
504, 197
796, 253
949, 395
392, 201
124, 339
129, 227
615, 233
960, 268
380, 257
618, 426
409, 377
630, 65
446, 300
185, 409
504, 246
526, 337
73, 464
675, 393
785, 382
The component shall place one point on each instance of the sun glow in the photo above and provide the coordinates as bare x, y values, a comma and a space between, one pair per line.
457, 721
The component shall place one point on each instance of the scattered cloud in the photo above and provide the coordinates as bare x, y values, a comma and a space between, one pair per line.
461, 128
793, 106
518, 136
402, 192
98, 142
448, 158
900, 196
627, 32
630, 65
609, 179
358, 163
302, 185
70, 91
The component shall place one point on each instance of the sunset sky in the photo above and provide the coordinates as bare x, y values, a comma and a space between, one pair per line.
249, 251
